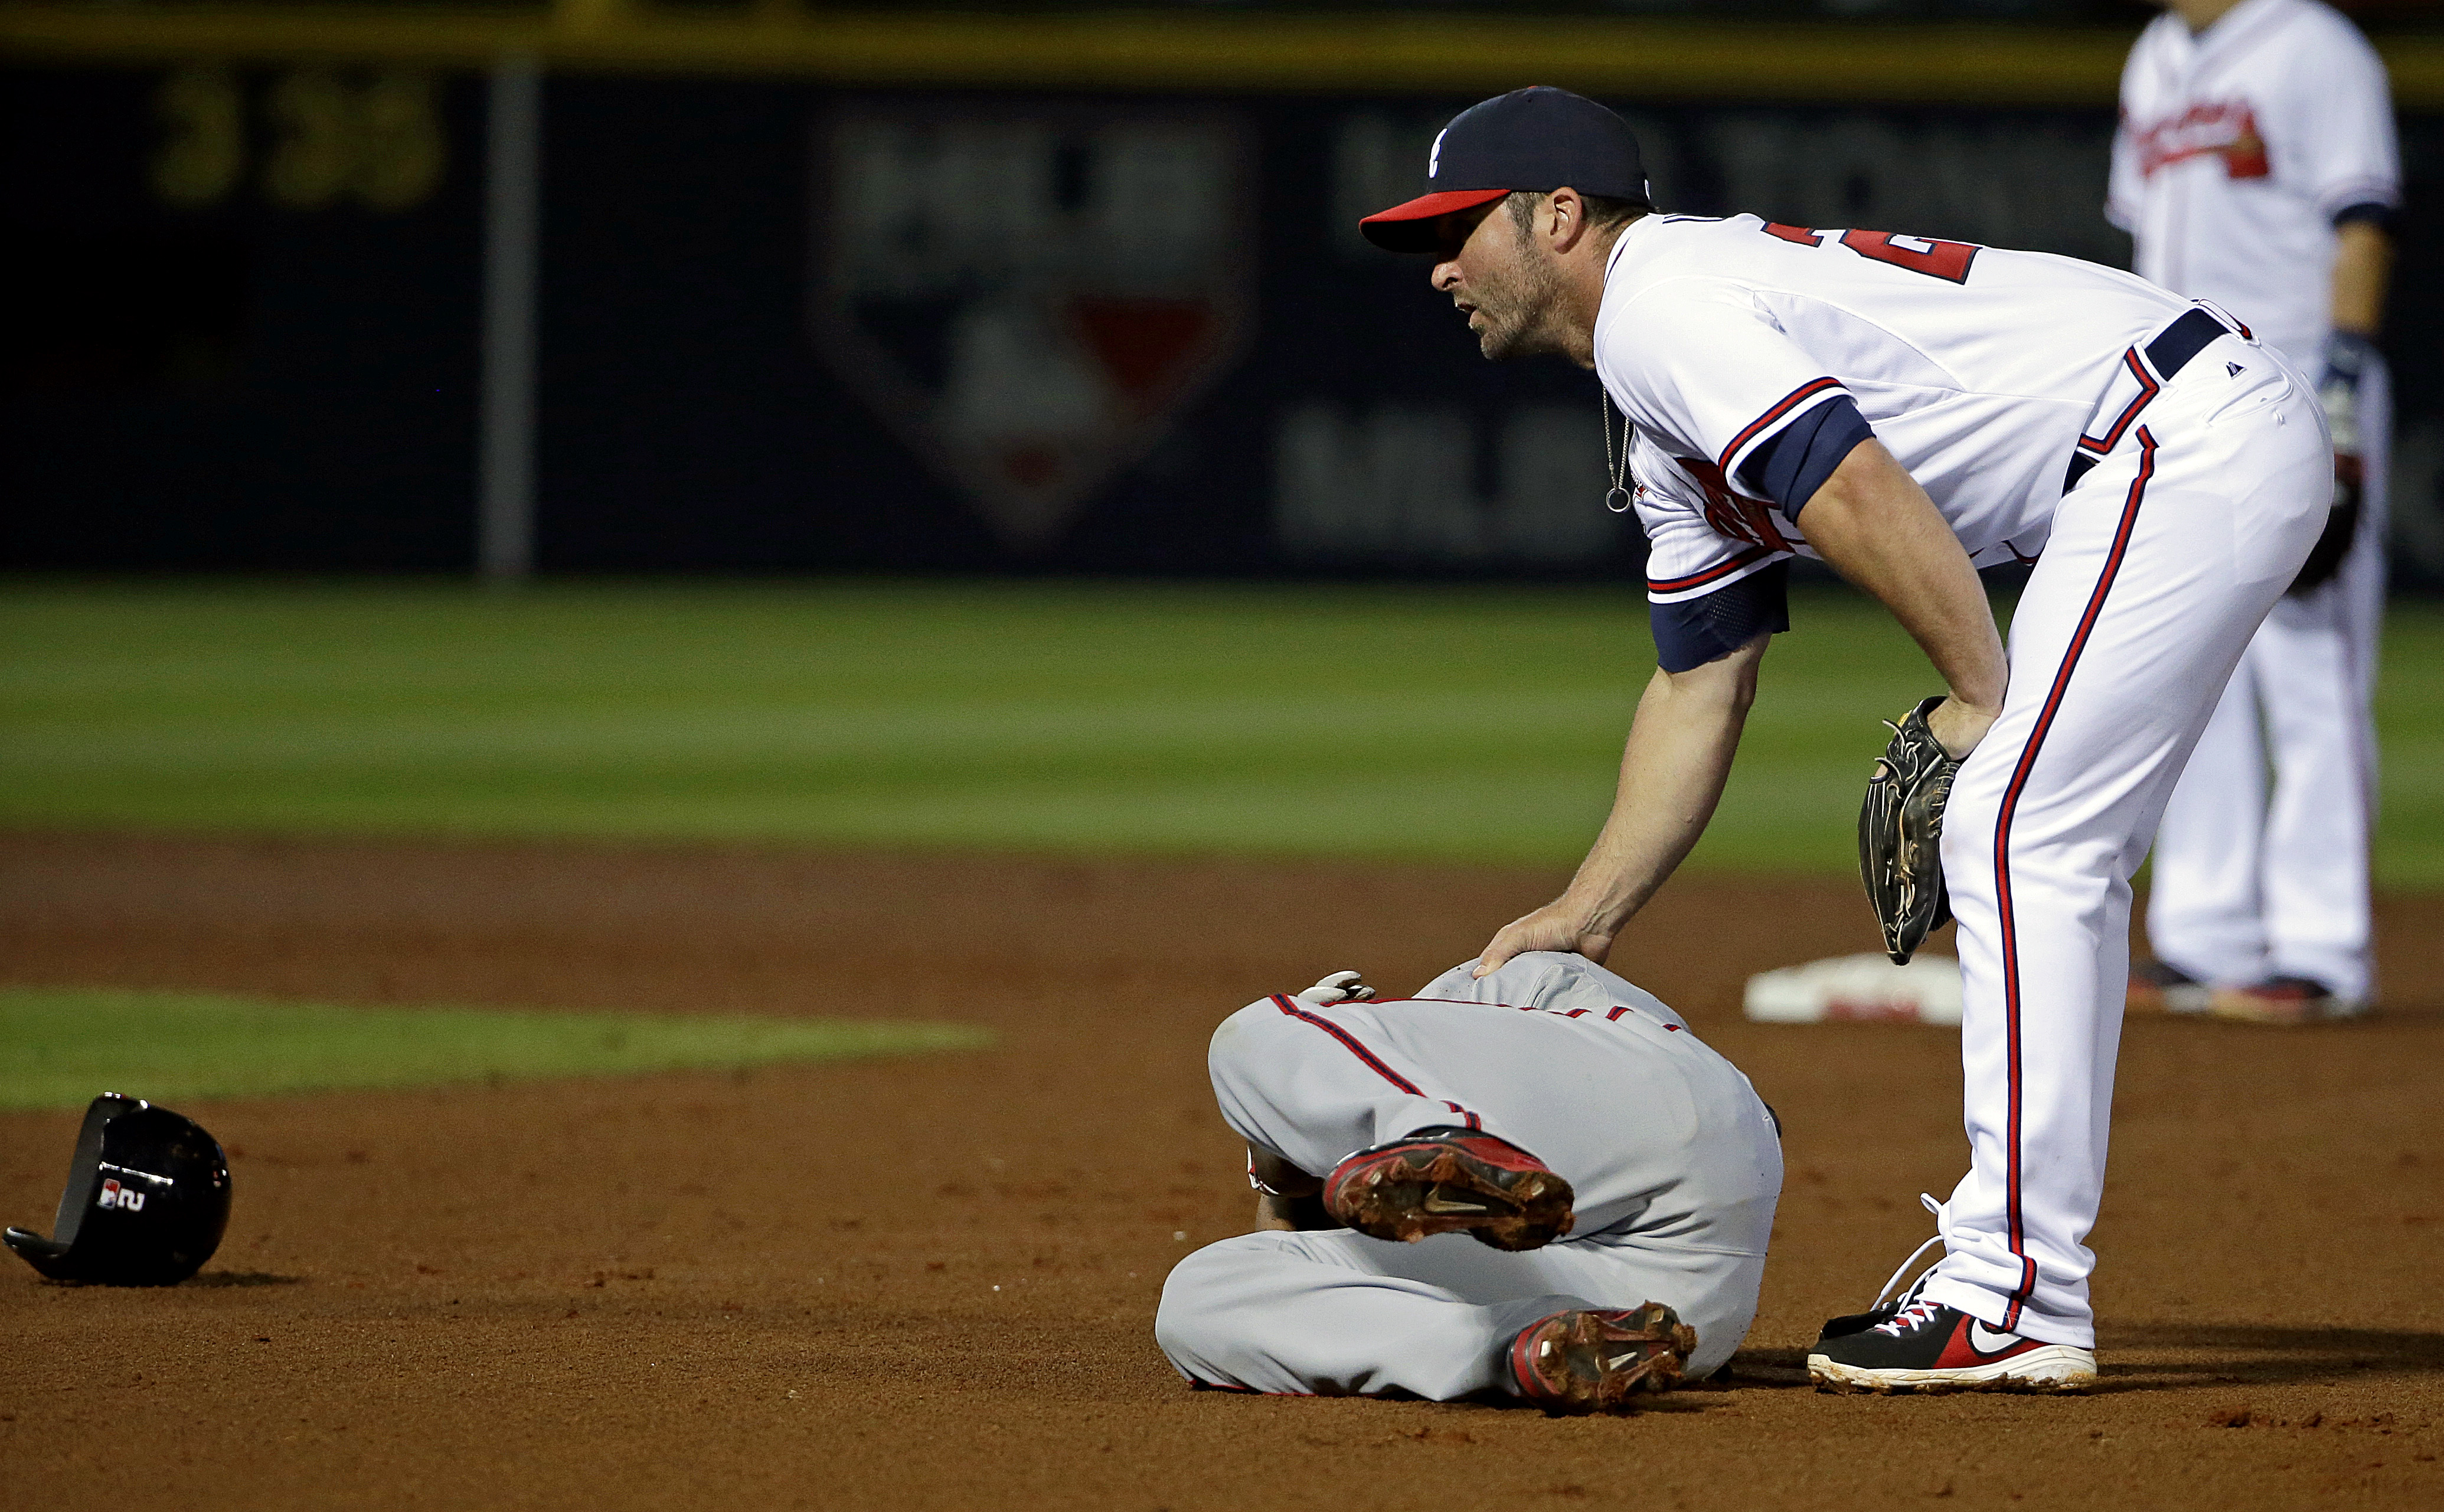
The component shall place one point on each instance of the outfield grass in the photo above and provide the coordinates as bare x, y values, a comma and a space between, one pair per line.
65, 1047
1450, 723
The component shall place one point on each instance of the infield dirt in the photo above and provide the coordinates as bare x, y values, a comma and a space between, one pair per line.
931, 1283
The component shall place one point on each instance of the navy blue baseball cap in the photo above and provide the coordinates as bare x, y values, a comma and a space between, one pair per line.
1537, 139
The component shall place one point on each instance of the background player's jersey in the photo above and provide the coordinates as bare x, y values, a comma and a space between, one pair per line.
1979, 368
2240, 148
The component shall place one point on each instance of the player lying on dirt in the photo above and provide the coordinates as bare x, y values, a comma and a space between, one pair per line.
1539, 1184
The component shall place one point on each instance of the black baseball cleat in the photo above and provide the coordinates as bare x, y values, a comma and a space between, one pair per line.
1928, 1347
1908, 1343
1447, 1180
1595, 1360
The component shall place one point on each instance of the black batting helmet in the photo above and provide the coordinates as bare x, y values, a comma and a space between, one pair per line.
148, 1196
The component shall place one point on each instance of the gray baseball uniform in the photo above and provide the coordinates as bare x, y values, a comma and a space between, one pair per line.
1674, 1160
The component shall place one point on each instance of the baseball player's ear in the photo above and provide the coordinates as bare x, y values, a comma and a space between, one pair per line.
1569, 220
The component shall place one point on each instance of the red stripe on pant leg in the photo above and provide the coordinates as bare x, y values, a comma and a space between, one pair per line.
1372, 1062
2010, 934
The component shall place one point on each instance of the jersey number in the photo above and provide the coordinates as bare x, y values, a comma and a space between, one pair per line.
1947, 261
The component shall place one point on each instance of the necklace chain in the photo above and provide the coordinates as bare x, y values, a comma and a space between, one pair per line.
1618, 498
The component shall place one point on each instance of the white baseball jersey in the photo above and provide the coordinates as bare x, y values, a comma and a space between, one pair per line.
1752, 357
2176, 473
2241, 148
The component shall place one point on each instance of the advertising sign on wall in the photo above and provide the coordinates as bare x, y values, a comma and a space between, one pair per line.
785, 327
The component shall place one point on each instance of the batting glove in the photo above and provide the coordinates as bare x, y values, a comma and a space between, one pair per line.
1342, 986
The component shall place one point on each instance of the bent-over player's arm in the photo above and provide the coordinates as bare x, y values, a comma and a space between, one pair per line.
1876, 528
1680, 753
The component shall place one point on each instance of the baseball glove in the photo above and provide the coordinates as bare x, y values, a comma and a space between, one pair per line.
2341, 528
1900, 834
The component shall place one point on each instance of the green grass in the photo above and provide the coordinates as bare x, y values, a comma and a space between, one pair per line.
65, 1047
1453, 723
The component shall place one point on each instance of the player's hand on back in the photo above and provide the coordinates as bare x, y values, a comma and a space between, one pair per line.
1554, 927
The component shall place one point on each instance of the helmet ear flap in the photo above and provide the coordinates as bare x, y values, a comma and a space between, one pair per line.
146, 1203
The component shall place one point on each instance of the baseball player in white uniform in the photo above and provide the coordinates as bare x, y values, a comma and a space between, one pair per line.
1586, 1188
1903, 408
2256, 166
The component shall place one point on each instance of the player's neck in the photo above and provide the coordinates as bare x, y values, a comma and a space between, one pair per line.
1581, 299
2199, 14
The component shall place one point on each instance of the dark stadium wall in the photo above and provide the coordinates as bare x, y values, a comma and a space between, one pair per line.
788, 329
234, 340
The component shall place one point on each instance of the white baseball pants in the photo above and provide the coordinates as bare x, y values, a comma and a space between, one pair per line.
2248, 888
1674, 1159
2163, 558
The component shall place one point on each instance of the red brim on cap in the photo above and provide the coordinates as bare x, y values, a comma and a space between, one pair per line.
1410, 227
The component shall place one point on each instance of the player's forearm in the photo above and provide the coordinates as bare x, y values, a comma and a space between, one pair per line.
1680, 753
1878, 528
2363, 274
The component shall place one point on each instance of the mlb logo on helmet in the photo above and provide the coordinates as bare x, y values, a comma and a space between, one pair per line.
115, 1195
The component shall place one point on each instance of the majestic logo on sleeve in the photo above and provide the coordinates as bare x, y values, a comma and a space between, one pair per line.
1733, 515
2225, 128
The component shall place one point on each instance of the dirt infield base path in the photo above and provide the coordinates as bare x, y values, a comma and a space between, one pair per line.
930, 1283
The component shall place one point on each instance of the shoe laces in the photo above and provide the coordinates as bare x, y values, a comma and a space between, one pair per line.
1920, 1310
1894, 1293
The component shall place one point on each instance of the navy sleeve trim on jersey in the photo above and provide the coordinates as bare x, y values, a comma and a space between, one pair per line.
1694, 632
1790, 466
1781, 407
2381, 216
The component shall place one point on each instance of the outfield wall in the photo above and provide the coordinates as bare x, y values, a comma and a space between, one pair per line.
790, 323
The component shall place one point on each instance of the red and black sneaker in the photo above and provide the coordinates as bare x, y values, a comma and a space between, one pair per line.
1435, 1180
1925, 1346
1595, 1362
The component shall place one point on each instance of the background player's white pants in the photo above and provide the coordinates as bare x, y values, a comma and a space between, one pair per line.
2244, 889
1674, 1159
2162, 563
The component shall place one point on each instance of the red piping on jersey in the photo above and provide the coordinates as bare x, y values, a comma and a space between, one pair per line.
1704, 575
1782, 407
2011, 933
2148, 388
1614, 1017
1372, 1062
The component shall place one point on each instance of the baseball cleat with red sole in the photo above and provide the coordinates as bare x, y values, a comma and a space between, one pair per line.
1440, 1181
1929, 1348
1596, 1361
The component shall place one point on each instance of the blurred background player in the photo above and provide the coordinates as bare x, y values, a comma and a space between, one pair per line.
2256, 166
